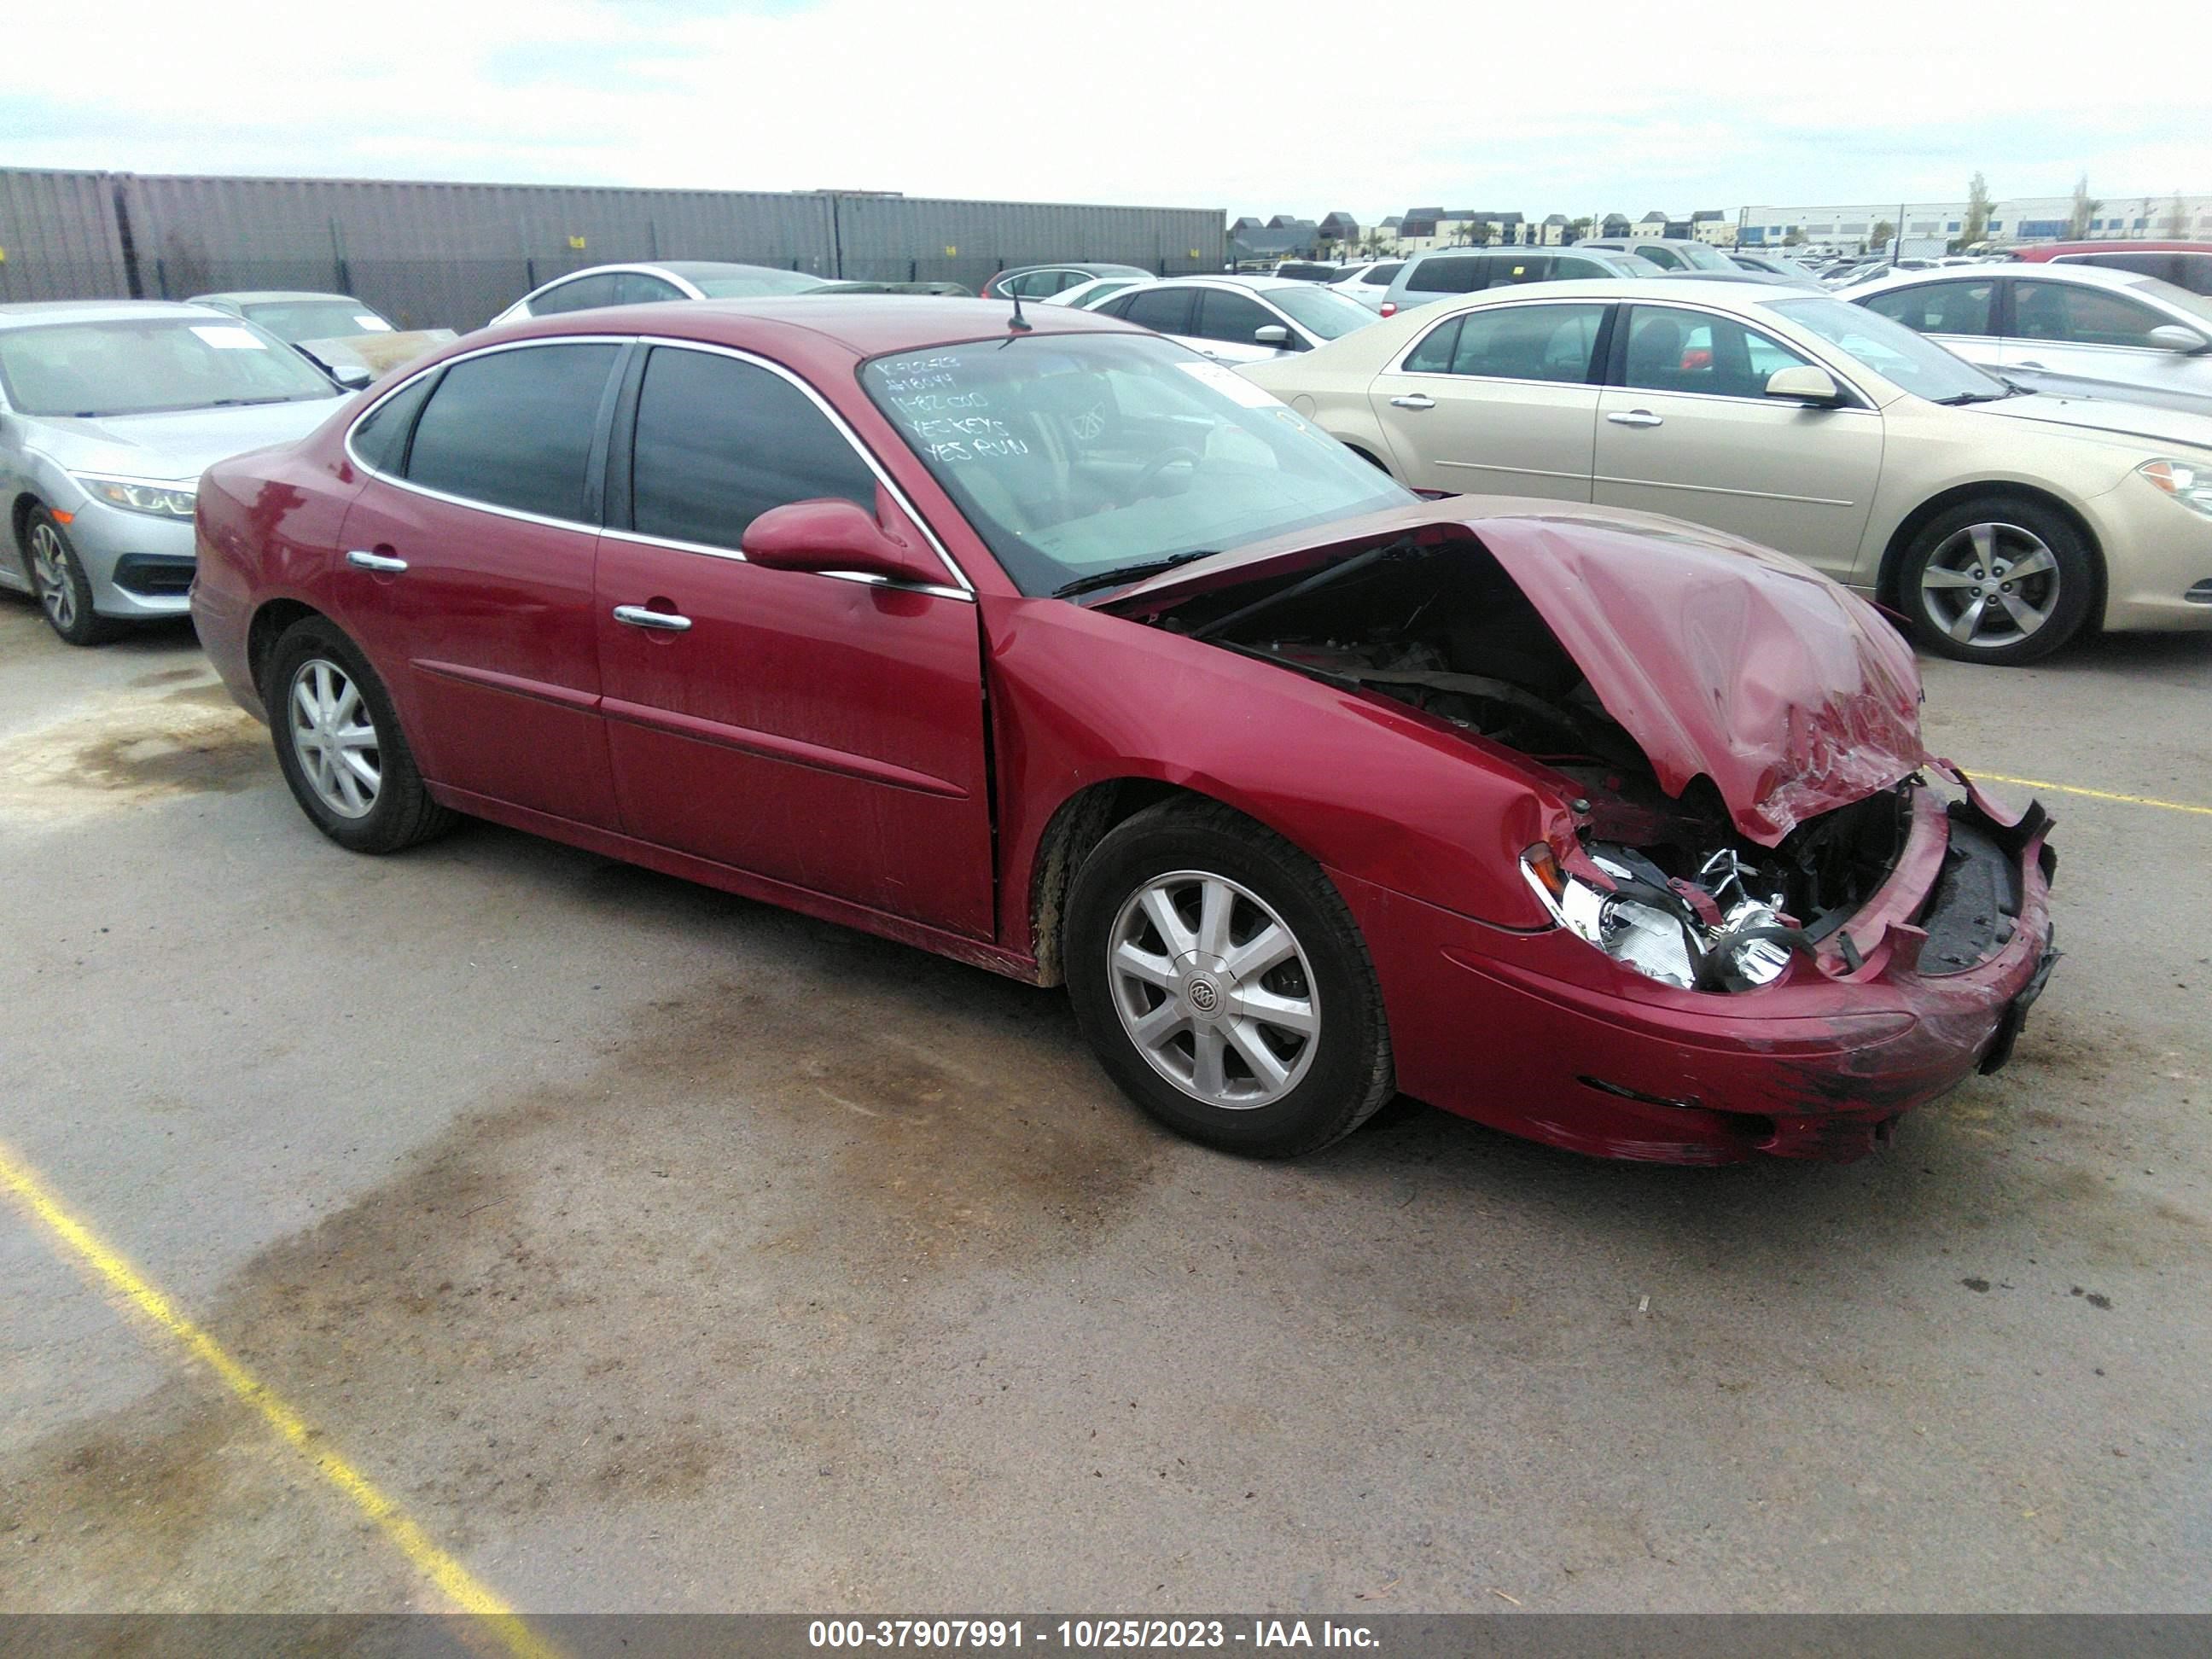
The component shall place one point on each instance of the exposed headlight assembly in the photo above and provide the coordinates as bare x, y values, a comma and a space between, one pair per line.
1642, 923
2186, 481
161, 500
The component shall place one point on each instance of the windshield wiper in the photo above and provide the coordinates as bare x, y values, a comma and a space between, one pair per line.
1956, 400
1128, 573
249, 402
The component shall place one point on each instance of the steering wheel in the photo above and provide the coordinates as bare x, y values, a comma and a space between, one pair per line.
1159, 464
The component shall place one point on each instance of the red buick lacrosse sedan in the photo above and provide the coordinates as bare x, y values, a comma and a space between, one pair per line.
1045, 643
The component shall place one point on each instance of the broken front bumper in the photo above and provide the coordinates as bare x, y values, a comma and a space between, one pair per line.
1542, 1036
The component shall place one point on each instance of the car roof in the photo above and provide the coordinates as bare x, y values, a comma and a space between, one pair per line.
1097, 268
1224, 279
1718, 291
254, 296
2078, 275
33, 314
860, 324
2043, 251
693, 268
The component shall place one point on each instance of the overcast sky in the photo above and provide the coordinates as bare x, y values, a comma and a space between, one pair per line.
1252, 107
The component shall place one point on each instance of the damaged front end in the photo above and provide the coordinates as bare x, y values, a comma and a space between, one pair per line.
1748, 828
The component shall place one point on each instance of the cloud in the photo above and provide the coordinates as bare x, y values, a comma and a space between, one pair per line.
1237, 104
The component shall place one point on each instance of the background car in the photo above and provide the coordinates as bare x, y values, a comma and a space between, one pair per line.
1309, 790
1369, 283
2002, 523
350, 341
1452, 273
109, 411
1774, 264
1308, 270
1086, 296
649, 284
1240, 319
1042, 282
2081, 329
2185, 264
1677, 257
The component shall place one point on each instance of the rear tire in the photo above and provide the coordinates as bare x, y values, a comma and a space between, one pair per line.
58, 582
339, 744
1221, 980
1999, 581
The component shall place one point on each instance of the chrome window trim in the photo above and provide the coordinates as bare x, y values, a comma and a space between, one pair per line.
965, 590
515, 513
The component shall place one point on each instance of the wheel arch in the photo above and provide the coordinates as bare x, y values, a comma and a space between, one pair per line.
1076, 826
267, 626
1892, 557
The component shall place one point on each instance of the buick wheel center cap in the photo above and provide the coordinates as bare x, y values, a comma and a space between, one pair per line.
1203, 993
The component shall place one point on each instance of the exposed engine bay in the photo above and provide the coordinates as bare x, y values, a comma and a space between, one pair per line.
1692, 901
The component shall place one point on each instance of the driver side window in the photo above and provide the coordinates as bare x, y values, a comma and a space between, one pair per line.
1222, 315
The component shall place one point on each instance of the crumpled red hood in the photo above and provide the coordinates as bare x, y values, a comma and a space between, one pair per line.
1793, 694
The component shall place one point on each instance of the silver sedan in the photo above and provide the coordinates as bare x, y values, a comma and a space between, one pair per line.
110, 410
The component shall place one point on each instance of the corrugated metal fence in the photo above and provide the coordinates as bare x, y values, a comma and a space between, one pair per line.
444, 255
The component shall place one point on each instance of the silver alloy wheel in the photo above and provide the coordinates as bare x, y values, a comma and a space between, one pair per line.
334, 740
1990, 585
50, 573
1213, 989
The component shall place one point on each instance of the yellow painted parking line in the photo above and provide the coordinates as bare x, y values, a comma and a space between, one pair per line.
2093, 795
458, 1585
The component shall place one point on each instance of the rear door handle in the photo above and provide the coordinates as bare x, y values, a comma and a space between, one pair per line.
364, 561
1414, 400
1636, 417
2028, 362
638, 617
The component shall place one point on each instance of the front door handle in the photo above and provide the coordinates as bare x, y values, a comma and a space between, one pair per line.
364, 561
1636, 417
1414, 400
2028, 362
637, 615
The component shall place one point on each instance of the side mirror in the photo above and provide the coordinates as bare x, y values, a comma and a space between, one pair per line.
1801, 383
1272, 334
2172, 337
834, 534
353, 376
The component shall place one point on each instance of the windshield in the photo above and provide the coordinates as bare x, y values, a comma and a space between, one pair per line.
150, 366
752, 284
1078, 454
2197, 305
1323, 310
295, 320
1890, 350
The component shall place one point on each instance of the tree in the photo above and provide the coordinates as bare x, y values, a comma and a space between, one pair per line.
1883, 230
2177, 218
1325, 248
2085, 206
1579, 228
1790, 237
1372, 244
1976, 226
1479, 232
1464, 232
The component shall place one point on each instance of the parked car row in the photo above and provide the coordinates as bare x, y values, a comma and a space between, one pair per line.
2001, 521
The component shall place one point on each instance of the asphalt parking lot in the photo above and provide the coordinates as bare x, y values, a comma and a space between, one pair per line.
650, 1248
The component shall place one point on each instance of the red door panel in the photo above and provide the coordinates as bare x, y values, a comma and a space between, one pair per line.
487, 642
816, 731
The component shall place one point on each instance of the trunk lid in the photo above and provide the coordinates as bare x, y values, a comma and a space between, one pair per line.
1719, 658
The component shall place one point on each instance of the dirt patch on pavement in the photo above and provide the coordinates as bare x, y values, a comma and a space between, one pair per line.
127, 750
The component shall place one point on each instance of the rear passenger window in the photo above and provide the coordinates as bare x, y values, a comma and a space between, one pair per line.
1536, 268
1453, 275
513, 429
1434, 354
635, 288
1381, 276
581, 295
1528, 342
381, 436
1167, 309
720, 442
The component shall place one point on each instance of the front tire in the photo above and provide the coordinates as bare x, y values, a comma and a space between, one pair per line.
1222, 981
58, 578
1998, 581
339, 744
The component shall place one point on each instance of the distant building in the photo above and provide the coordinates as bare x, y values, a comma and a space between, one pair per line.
1340, 228
1931, 227
1554, 232
1283, 237
1711, 226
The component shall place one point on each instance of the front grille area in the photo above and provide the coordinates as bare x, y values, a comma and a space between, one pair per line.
153, 575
